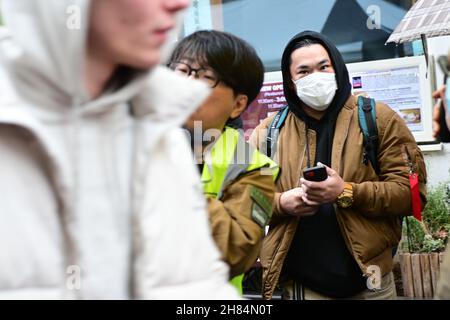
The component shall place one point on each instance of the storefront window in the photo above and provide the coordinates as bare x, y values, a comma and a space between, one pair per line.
359, 28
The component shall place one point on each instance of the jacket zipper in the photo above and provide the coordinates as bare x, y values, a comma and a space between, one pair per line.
408, 155
279, 244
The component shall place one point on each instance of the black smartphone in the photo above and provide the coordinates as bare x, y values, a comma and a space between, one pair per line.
316, 174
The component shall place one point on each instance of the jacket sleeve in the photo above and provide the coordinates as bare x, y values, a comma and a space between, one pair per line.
391, 194
236, 230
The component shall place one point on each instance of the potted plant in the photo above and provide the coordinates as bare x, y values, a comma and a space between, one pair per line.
422, 244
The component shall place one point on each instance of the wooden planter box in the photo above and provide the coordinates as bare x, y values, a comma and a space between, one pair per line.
420, 272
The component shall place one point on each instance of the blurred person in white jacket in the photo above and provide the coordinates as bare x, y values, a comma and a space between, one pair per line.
443, 105
99, 197
441, 110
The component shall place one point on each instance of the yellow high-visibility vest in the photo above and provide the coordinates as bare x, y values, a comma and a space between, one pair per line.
230, 157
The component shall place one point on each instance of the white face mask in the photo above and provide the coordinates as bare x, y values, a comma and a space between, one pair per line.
317, 90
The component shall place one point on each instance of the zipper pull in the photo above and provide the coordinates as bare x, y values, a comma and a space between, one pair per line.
410, 164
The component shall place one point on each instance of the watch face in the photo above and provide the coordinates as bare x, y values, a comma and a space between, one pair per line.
345, 202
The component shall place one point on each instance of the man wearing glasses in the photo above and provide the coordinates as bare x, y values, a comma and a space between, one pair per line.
238, 181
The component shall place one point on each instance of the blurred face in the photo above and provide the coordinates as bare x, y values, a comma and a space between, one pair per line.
447, 97
132, 32
221, 105
310, 59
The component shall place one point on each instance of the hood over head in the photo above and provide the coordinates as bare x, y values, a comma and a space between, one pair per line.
44, 53
41, 50
342, 77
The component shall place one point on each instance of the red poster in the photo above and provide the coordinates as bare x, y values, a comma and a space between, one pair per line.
270, 100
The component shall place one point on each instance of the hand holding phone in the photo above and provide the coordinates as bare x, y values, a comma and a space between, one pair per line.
316, 174
327, 191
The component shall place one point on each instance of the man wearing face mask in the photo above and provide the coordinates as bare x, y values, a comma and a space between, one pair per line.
334, 239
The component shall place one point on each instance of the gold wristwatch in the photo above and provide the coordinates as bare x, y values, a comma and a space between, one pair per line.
345, 199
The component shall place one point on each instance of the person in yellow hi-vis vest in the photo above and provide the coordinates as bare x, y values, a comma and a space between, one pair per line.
238, 181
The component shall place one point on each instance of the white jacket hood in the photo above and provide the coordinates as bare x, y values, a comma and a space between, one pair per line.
42, 52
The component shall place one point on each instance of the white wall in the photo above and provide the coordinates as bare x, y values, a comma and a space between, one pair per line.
438, 165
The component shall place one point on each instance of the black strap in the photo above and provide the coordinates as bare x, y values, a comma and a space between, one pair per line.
275, 126
371, 136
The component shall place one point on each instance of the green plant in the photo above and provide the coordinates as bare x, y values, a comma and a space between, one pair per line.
430, 235
431, 244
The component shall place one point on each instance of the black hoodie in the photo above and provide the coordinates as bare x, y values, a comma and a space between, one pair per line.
318, 256
328, 122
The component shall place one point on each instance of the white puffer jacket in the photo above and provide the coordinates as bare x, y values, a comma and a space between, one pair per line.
98, 200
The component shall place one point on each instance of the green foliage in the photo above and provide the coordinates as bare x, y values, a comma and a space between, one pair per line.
430, 235
436, 215
413, 235
431, 244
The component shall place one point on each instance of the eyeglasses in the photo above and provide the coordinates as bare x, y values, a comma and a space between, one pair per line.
206, 75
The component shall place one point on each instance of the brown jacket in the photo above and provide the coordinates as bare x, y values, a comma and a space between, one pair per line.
237, 235
371, 226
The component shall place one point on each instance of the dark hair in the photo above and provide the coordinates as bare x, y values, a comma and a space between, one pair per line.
234, 60
305, 42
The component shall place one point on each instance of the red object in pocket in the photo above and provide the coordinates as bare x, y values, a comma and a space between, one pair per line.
415, 196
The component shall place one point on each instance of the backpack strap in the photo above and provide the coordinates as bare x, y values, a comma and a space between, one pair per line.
274, 130
368, 123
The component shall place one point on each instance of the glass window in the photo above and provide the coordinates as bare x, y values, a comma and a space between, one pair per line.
359, 28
